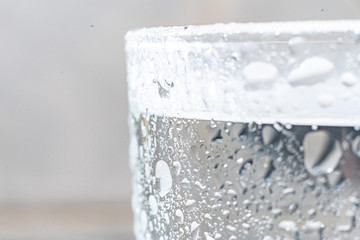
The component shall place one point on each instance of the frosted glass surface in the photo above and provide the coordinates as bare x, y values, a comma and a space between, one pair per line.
245, 131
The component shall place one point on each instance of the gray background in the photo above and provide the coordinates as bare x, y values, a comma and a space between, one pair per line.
63, 103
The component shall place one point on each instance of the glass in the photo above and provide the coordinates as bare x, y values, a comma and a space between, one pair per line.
245, 131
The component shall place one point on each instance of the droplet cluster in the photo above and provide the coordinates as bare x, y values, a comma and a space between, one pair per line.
201, 179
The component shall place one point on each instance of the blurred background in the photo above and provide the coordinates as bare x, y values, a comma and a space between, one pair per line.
63, 106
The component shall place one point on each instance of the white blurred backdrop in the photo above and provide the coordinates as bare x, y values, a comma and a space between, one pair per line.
63, 102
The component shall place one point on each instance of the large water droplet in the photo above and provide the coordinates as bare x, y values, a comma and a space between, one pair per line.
322, 152
269, 134
311, 71
162, 172
258, 73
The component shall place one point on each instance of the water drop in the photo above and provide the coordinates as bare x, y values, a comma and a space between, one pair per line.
268, 238
225, 212
313, 230
347, 223
349, 79
355, 201
190, 205
177, 166
258, 73
246, 225
166, 218
230, 228
277, 212
311, 212
218, 235
217, 138
200, 185
162, 172
325, 100
288, 192
288, 226
180, 216
207, 236
264, 167
208, 216
153, 205
194, 229
322, 153
269, 134
335, 178
311, 71
185, 182
314, 127
296, 41
293, 207
246, 165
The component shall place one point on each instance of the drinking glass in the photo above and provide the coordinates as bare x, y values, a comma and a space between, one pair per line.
245, 131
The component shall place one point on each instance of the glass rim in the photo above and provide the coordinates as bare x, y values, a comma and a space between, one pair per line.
232, 31
175, 70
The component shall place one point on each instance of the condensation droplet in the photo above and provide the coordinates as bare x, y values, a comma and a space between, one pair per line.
313, 230
200, 185
207, 236
322, 153
190, 205
347, 223
180, 216
217, 138
288, 192
153, 205
230, 228
162, 172
177, 166
265, 167
335, 178
268, 238
269, 134
194, 229
295, 41
208, 216
325, 100
258, 73
311, 71
288, 226
349, 79
218, 235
